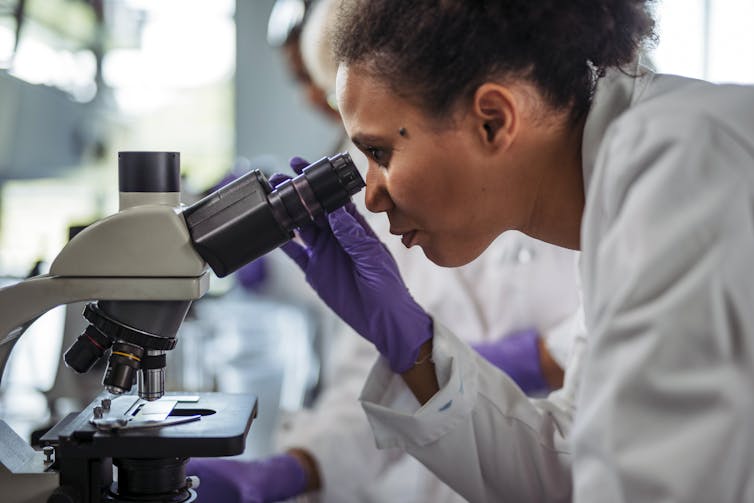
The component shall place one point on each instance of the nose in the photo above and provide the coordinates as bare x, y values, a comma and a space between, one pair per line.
377, 197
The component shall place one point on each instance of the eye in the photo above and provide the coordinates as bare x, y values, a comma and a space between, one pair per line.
379, 155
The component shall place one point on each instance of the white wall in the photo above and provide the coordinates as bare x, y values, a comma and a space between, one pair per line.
708, 39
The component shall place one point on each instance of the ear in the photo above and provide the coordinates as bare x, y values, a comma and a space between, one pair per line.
496, 114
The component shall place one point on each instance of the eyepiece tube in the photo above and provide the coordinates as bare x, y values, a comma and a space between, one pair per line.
248, 218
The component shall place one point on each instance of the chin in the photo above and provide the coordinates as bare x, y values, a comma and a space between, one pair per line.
448, 259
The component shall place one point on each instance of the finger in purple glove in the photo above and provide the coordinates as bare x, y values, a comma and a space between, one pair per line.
298, 164
278, 178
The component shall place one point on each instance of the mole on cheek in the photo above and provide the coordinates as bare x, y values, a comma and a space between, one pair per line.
402, 131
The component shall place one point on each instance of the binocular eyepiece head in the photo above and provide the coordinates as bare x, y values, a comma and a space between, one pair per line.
248, 217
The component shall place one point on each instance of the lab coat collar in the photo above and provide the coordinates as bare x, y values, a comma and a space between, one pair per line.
617, 91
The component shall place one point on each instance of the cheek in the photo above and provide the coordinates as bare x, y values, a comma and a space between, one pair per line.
428, 182
407, 186
424, 199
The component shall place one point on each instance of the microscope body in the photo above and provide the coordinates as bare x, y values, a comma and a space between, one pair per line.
142, 267
141, 254
138, 258
139, 265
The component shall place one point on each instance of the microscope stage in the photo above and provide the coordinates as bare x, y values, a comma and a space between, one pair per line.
181, 425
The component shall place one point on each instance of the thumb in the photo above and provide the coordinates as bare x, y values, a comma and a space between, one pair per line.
278, 178
298, 164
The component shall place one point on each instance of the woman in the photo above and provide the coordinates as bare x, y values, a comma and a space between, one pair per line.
481, 117
494, 303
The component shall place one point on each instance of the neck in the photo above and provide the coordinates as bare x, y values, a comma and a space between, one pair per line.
555, 216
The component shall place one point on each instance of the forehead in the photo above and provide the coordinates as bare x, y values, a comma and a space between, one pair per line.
365, 101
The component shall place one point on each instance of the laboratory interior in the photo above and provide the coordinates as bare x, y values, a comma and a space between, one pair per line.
145, 320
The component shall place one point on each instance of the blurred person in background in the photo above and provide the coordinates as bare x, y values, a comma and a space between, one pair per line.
518, 304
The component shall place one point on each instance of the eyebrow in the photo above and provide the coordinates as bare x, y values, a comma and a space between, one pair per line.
367, 139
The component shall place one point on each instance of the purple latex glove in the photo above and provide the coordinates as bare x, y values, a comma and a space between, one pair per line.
353, 272
231, 481
253, 275
518, 356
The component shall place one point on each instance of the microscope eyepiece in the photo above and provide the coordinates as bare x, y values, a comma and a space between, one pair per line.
149, 171
248, 218
325, 185
333, 187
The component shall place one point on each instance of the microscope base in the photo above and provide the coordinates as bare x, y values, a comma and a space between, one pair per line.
24, 475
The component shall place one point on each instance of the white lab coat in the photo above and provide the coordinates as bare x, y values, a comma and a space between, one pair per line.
658, 406
517, 283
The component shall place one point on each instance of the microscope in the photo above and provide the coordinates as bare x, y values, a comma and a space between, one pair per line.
141, 268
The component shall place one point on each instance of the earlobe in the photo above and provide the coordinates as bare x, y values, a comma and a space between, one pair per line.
496, 111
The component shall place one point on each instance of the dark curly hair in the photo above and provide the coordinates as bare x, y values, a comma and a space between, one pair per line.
435, 52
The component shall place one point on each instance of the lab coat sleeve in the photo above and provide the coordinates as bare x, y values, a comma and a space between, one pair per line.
480, 434
665, 407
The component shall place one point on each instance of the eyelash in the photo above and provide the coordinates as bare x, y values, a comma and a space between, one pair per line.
375, 153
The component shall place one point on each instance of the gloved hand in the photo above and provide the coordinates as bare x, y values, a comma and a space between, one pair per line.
518, 356
253, 275
232, 481
353, 272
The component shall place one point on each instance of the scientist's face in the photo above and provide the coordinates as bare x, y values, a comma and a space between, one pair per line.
440, 186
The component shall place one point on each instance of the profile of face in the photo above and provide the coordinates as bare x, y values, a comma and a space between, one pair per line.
446, 187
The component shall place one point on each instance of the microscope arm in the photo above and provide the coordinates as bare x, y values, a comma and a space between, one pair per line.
141, 253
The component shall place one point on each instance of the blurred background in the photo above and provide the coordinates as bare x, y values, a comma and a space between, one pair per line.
81, 80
